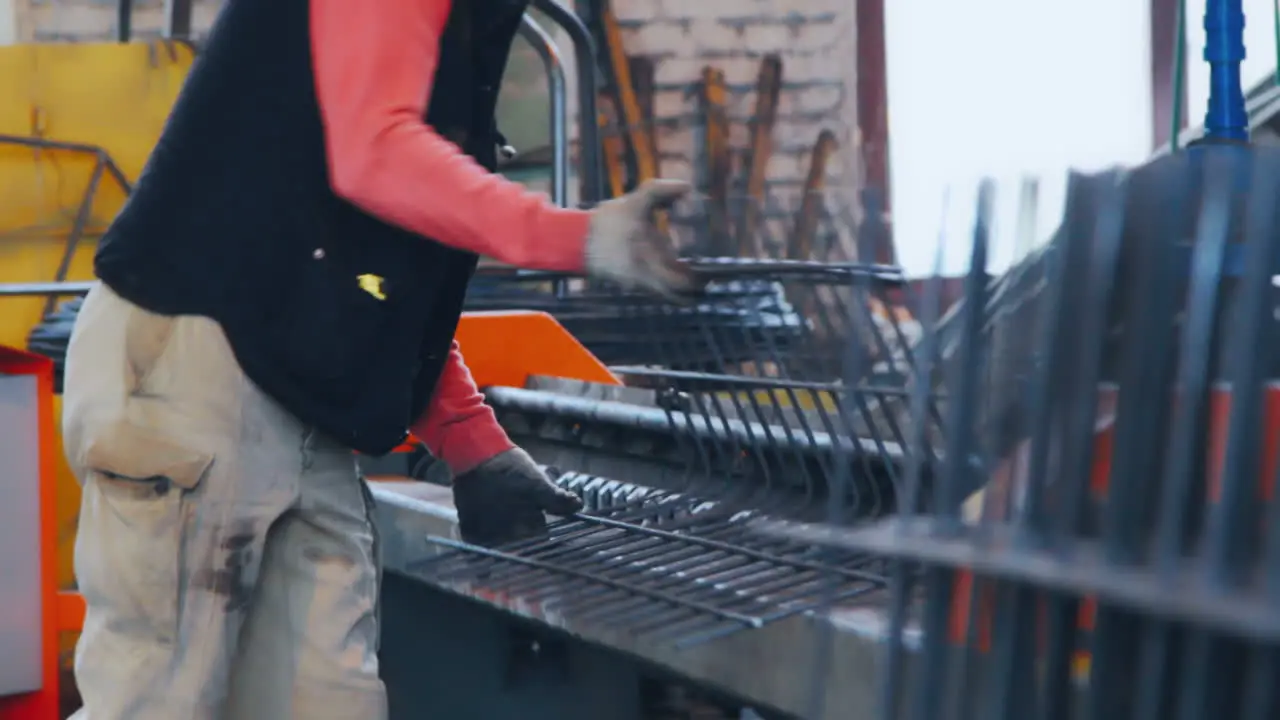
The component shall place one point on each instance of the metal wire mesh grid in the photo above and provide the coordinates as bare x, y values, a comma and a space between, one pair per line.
1126, 559
756, 377
776, 394
663, 565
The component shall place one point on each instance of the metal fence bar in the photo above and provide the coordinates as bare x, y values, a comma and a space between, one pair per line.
1119, 560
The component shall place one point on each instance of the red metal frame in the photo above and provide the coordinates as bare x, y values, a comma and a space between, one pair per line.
42, 704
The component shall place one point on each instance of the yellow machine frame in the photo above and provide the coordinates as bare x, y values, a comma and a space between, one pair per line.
69, 112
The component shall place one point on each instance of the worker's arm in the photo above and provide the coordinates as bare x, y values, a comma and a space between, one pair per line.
458, 427
499, 492
374, 64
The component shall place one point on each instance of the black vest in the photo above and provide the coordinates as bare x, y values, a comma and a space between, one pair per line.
233, 218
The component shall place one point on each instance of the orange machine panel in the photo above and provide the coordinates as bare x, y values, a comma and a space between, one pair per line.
508, 347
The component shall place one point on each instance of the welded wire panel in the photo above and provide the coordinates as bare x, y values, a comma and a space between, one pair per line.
763, 417
671, 567
1121, 558
779, 391
780, 372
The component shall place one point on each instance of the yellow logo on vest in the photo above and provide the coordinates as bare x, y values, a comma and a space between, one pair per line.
372, 284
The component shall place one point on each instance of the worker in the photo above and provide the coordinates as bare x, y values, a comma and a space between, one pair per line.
281, 289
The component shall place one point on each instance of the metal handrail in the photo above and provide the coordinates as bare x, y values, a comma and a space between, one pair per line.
584, 54
550, 54
104, 167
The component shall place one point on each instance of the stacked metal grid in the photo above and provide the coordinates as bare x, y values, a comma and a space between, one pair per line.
775, 394
1125, 562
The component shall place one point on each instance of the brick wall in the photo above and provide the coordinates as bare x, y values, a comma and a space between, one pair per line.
815, 39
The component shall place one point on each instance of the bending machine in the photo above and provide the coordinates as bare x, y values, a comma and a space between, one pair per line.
736, 452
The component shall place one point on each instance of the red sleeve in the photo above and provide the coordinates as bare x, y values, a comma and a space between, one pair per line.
458, 427
374, 64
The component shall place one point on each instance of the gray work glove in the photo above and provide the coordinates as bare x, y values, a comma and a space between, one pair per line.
505, 499
624, 244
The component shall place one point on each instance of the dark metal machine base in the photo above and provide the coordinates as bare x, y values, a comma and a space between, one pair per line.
450, 653
447, 657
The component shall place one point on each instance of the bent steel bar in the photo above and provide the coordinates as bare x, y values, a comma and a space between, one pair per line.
584, 54
659, 420
1126, 540
104, 167
102, 156
750, 413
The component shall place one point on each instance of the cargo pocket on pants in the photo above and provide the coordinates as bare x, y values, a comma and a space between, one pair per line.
134, 521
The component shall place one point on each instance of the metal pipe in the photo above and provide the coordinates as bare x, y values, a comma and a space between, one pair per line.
45, 289
692, 425
36, 143
124, 21
550, 54
77, 229
873, 115
584, 54
1225, 118
177, 19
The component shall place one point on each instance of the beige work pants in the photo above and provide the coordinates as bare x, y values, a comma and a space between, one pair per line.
225, 551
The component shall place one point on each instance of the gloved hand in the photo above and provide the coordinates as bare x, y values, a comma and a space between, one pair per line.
625, 245
503, 500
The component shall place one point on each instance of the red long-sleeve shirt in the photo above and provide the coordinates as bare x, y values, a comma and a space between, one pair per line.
374, 64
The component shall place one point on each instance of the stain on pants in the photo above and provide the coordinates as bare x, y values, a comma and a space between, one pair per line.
225, 551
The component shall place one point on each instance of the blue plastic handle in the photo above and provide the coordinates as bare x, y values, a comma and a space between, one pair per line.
1225, 119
